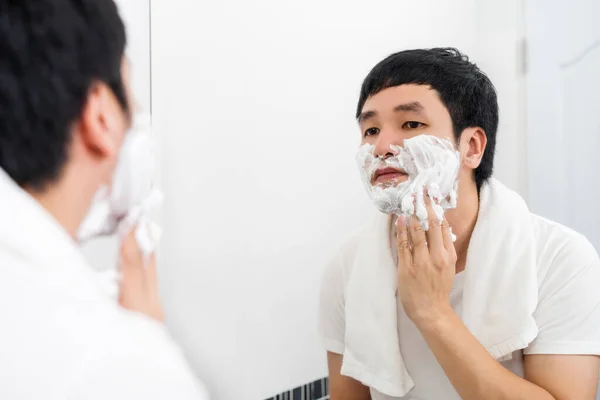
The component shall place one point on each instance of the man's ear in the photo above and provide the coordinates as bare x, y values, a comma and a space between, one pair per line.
97, 126
472, 145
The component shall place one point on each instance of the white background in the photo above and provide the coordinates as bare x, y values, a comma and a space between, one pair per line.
253, 105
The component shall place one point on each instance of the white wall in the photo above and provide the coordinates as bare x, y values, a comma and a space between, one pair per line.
563, 119
254, 104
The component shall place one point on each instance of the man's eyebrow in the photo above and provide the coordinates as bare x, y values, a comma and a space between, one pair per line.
415, 107
366, 116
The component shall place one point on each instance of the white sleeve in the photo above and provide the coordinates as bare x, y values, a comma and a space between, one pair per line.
149, 367
332, 321
568, 313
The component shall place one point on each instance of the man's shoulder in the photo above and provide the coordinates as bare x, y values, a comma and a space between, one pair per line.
81, 338
73, 322
345, 253
139, 354
137, 357
560, 250
133, 336
343, 259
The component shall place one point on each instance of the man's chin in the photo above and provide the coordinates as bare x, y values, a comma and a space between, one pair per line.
389, 184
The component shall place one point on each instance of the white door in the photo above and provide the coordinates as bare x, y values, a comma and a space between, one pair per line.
563, 112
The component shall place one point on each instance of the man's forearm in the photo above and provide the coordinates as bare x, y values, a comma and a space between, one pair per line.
473, 372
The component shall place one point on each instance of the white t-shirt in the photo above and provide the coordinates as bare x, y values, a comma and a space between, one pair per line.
568, 312
63, 336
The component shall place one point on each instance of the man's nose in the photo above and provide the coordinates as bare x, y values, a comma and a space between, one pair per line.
384, 143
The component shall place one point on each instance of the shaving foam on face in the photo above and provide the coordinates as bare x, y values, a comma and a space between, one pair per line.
431, 164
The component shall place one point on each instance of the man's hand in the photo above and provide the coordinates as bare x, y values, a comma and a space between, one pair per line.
138, 288
426, 267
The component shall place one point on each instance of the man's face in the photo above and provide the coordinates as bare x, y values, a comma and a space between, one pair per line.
399, 113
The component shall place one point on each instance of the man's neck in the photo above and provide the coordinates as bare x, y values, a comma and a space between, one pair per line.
67, 201
462, 221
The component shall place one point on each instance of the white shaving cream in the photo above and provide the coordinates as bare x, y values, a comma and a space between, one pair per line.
431, 164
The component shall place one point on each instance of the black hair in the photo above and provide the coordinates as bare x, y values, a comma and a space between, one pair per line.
51, 52
464, 89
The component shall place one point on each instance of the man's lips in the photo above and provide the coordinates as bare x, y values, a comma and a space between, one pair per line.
388, 174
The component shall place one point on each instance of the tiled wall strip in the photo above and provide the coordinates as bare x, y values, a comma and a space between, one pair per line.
317, 390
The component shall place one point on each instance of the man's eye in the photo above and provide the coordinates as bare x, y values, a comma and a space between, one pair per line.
371, 131
412, 125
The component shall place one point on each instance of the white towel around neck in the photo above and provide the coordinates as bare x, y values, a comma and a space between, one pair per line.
499, 295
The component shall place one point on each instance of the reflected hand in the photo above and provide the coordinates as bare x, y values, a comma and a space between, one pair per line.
138, 290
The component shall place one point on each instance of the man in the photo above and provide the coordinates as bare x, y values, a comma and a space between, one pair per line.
450, 334
65, 108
